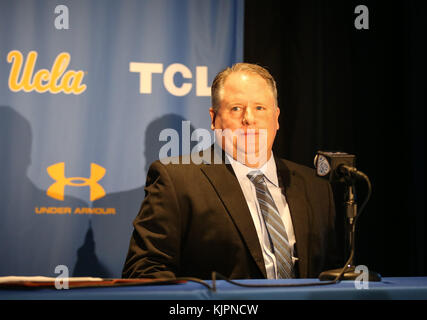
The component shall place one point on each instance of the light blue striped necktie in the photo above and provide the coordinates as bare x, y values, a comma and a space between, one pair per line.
276, 230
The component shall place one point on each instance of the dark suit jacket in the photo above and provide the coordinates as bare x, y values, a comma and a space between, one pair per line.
195, 220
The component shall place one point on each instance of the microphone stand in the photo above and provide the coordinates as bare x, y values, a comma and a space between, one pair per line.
348, 272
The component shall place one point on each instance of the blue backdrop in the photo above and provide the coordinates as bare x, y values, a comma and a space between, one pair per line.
85, 89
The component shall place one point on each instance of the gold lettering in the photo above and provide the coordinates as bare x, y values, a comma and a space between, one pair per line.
58, 68
76, 85
52, 210
15, 57
86, 210
28, 71
41, 75
44, 80
78, 210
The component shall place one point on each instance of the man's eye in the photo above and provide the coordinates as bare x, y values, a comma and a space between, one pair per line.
235, 108
260, 107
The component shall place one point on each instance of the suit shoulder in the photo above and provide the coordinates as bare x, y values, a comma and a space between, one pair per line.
187, 162
181, 167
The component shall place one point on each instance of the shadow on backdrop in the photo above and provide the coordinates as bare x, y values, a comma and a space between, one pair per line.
31, 243
118, 227
88, 264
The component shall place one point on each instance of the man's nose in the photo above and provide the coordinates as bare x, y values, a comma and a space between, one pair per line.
248, 116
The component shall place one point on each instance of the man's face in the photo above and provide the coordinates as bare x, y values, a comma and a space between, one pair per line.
248, 109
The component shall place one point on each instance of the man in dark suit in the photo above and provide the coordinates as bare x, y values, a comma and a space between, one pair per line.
241, 212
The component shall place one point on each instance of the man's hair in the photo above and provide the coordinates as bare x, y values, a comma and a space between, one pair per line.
218, 82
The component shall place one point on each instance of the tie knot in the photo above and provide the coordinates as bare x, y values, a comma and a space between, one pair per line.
257, 177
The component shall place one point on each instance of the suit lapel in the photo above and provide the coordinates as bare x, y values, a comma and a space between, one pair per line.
293, 186
228, 189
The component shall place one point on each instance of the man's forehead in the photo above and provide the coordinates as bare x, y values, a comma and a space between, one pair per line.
243, 78
246, 87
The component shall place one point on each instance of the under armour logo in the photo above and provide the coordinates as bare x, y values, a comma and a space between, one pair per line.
57, 173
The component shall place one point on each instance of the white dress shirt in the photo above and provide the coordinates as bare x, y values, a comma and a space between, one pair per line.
248, 188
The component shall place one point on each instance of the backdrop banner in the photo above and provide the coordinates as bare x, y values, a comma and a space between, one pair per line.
87, 89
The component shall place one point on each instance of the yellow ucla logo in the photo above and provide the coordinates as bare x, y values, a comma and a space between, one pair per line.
57, 173
56, 80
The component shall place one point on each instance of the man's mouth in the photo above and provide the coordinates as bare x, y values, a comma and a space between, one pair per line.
249, 132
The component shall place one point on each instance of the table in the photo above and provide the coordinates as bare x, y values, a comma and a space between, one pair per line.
407, 288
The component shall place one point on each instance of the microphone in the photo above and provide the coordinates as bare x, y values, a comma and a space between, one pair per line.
341, 167
335, 165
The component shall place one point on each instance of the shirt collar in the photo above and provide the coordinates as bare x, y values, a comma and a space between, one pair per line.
268, 169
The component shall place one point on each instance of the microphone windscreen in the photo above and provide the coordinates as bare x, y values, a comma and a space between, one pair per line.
327, 163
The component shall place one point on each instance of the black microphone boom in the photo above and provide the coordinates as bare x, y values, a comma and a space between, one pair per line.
340, 167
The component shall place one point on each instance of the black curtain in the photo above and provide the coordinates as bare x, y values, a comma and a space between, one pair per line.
357, 91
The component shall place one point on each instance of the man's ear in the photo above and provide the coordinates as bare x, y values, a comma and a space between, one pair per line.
277, 115
212, 113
